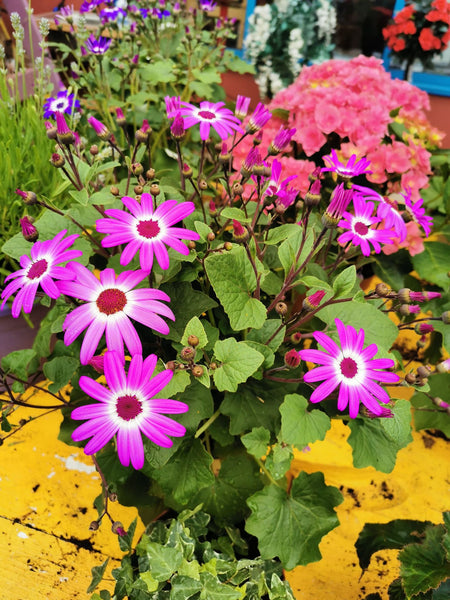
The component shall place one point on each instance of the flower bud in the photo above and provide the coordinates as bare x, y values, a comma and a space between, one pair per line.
100, 129
281, 308
29, 231
212, 208
386, 413
296, 337
381, 289
187, 171
51, 130
177, 130
120, 118
155, 190
138, 189
444, 366
445, 317
114, 190
441, 404
410, 378
57, 160
422, 342
93, 149
313, 301
197, 371
240, 233
211, 236
423, 328
143, 133
228, 246
292, 359
409, 309
150, 174
137, 169
423, 371
237, 189
29, 198
117, 527
192, 245
202, 184
97, 362
404, 295
312, 196
171, 365
193, 341
94, 525
187, 353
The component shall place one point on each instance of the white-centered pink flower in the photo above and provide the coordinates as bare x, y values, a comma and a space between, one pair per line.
387, 209
42, 269
110, 303
362, 228
352, 368
147, 230
128, 408
210, 114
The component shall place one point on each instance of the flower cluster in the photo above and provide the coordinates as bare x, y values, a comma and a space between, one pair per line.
285, 35
420, 31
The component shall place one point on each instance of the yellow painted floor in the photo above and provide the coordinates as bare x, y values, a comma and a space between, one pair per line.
47, 490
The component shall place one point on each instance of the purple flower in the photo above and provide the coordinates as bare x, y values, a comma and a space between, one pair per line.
207, 5
63, 102
281, 140
353, 168
340, 199
110, 304
361, 231
40, 270
352, 368
386, 209
173, 105
100, 129
277, 186
210, 114
147, 230
29, 231
242, 104
417, 213
128, 408
110, 14
97, 46
259, 117
89, 5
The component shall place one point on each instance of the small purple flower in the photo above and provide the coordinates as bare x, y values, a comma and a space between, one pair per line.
111, 14
127, 408
252, 159
260, 116
353, 168
173, 105
207, 5
417, 213
147, 230
210, 114
281, 140
110, 304
340, 199
29, 231
387, 209
277, 186
98, 46
352, 368
177, 128
361, 228
100, 129
63, 102
242, 104
42, 269
89, 5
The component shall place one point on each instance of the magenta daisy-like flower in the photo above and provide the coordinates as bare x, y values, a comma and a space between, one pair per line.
110, 304
361, 228
42, 269
417, 213
352, 368
147, 230
387, 210
210, 114
98, 46
353, 168
127, 409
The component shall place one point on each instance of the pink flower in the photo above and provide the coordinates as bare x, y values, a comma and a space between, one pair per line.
413, 241
42, 269
353, 168
387, 210
360, 225
128, 409
147, 230
110, 304
417, 213
210, 115
352, 368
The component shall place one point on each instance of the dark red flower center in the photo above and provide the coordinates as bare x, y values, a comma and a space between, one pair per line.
361, 228
111, 301
148, 229
206, 114
349, 368
37, 269
128, 407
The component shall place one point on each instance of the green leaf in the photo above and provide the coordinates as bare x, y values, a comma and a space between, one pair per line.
176, 385
300, 427
195, 327
97, 575
269, 356
446, 541
203, 230
164, 560
186, 472
230, 212
20, 362
424, 566
278, 234
233, 279
60, 370
375, 442
161, 71
426, 414
344, 283
291, 526
394, 535
279, 460
185, 304
432, 264
125, 541
238, 362
288, 250
257, 441
184, 587
151, 583
269, 332
225, 498
212, 589
80, 196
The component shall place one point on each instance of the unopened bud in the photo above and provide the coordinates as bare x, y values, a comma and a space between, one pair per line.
281, 308
410, 378
138, 189
57, 160
187, 353
29, 198
296, 337
409, 309
445, 317
292, 359
441, 403
150, 174
97, 362
112, 496
228, 246
423, 328
137, 169
29, 231
313, 301
444, 366
171, 365
423, 371
422, 342
187, 171
117, 527
192, 245
313, 196
114, 190
155, 190
213, 366
240, 233
381, 289
197, 371
93, 149
193, 341
94, 525
211, 236
237, 189
202, 184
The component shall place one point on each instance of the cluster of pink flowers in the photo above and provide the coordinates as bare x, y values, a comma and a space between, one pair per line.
350, 103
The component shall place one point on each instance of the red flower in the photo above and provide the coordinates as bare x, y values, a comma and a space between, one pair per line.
405, 14
428, 40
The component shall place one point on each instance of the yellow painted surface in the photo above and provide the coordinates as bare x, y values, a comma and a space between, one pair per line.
47, 490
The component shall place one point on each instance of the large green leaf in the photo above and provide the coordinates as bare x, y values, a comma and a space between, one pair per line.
160, 71
195, 327
291, 526
60, 371
212, 589
21, 362
233, 279
424, 566
257, 441
344, 283
375, 442
238, 361
247, 410
271, 334
163, 560
300, 427
432, 264
287, 252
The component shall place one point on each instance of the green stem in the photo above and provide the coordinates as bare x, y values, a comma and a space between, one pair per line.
207, 423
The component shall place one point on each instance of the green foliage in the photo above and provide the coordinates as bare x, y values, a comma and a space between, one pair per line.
300, 427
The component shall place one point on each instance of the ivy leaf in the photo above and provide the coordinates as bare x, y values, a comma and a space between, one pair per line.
60, 371
195, 327
291, 526
186, 472
239, 362
184, 587
432, 263
126, 540
257, 441
233, 279
300, 427
345, 282
394, 535
97, 575
185, 304
164, 560
375, 442
212, 589
424, 566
